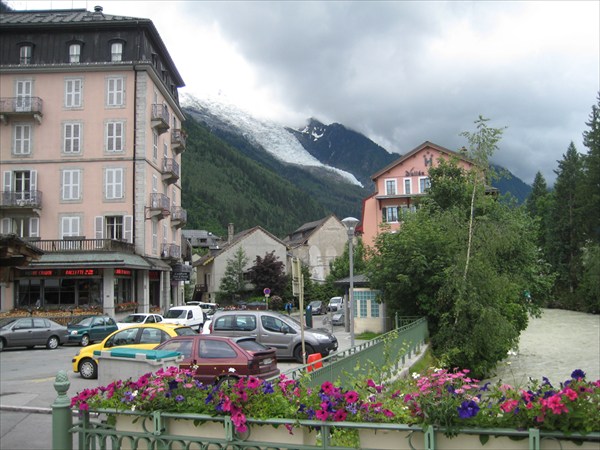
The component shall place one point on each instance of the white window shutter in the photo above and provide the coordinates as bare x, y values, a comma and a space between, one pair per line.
128, 229
65, 227
33, 182
99, 227
119, 183
7, 183
34, 227
77, 184
5, 227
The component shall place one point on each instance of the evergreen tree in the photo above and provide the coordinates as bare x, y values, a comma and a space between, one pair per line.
233, 284
565, 236
591, 177
538, 205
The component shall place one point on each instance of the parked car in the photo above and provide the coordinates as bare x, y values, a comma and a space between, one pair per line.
31, 331
276, 330
91, 329
189, 315
335, 303
139, 319
337, 318
215, 358
139, 336
316, 307
208, 308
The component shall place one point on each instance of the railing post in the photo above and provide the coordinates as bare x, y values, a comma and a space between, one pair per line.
62, 419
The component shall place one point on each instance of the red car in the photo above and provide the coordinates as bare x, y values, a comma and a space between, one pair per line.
217, 358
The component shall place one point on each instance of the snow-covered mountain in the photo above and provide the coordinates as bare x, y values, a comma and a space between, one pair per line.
272, 137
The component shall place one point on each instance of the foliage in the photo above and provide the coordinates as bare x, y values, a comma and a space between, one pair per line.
591, 176
268, 272
589, 289
450, 399
233, 283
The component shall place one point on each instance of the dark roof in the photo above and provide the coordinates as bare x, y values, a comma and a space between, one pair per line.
357, 280
303, 233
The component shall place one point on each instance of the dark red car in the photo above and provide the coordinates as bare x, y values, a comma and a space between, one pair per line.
216, 358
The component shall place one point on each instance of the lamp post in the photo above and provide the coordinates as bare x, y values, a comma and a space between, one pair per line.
350, 224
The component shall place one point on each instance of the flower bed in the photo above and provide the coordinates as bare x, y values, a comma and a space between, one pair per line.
440, 399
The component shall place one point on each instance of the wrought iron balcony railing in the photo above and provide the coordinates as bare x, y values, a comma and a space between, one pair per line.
170, 251
160, 117
21, 107
170, 170
21, 199
178, 141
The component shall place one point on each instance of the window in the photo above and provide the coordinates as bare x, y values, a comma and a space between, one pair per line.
116, 51
114, 227
115, 136
390, 187
72, 138
154, 144
21, 183
70, 226
24, 91
154, 183
71, 184
154, 237
25, 54
74, 53
215, 349
22, 139
424, 184
390, 214
25, 227
115, 91
407, 183
73, 88
113, 184
165, 150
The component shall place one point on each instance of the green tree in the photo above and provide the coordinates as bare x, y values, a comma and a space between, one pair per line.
268, 272
590, 184
565, 226
232, 283
538, 205
464, 260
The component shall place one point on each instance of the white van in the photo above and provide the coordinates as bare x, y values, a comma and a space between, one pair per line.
189, 315
335, 304
208, 308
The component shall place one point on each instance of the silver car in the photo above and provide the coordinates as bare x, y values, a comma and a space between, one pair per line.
31, 331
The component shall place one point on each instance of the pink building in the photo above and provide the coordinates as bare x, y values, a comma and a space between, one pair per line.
90, 154
398, 185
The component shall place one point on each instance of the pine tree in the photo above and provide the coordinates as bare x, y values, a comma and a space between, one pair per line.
590, 185
565, 237
538, 205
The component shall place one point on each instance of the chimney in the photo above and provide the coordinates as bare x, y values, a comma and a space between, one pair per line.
229, 233
98, 9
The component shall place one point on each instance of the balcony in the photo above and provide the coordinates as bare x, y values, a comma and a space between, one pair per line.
25, 201
170, 170
20, 108
160, 206
80, 244
170, 251
160, 118
178, 141
178, 217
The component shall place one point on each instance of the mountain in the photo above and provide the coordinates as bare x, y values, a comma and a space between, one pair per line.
251, 172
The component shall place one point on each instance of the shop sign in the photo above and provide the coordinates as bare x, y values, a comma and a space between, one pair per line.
47, 273
123, 272
181, 273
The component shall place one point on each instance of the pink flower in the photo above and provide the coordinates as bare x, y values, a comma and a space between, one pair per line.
340, 415
509, 405
351, 396
321, 414
570, 393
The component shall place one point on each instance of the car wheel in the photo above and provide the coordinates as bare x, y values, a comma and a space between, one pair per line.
85, 340
88, 369
298, 352
52, 343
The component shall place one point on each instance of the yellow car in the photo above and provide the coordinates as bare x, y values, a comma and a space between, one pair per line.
142, 336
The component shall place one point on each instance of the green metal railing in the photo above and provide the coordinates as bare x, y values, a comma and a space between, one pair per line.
390, 350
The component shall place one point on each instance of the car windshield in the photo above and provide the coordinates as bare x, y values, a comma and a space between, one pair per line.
133, 318
289, 320
176, 314
315, 304
86, 322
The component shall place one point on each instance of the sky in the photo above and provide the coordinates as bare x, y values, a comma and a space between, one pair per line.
400, 72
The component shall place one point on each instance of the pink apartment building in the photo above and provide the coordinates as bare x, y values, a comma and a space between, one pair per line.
90, 154
399, 185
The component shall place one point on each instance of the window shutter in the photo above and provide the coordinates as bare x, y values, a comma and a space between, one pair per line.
76, 184
7, 183
384, 214
34, 227
128, 229
5, 225
33, 182
99, 227
119, 183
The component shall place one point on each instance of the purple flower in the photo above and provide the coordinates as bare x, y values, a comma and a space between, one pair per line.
467, 409
179, 398
578, 374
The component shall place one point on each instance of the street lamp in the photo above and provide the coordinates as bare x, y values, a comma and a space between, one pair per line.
350, 224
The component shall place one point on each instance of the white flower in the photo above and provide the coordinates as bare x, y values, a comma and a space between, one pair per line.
231, 370
133, 407
416, 375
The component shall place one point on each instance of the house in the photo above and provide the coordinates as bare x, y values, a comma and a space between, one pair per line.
398, 187
90, 154
210, 268
317, 244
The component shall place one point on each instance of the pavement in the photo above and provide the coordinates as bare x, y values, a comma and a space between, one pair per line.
26, 417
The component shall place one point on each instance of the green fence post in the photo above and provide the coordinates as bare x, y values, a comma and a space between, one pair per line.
62, 419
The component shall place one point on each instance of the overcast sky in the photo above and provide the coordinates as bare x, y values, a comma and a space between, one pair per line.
399, 72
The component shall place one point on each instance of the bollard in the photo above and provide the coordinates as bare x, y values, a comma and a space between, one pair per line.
62, 420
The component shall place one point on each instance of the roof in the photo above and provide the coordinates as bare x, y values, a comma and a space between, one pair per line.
15, 252
416, 150
92, 259
305, 231
206, 259
357, 280
77, 18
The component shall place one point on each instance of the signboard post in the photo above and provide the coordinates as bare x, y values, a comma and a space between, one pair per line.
267, 293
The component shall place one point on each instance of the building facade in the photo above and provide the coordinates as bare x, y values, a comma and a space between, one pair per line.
90, 151
317, 244
398, 187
